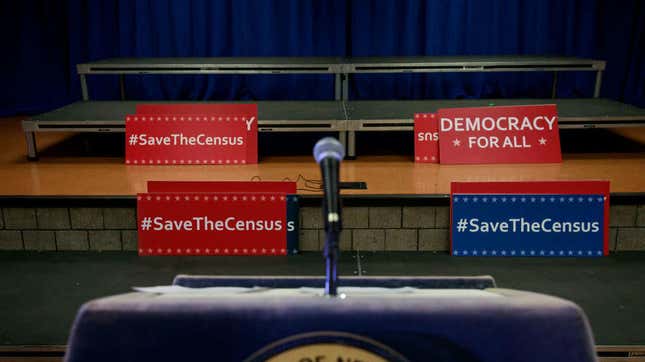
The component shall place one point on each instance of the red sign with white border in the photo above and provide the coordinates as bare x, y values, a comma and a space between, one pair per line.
228, 111
212, 224
214, 134
503, 134
426, 138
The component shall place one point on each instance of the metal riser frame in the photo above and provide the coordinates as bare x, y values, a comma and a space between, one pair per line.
342, 70
212, 71
466, 69
347, 128
30, 127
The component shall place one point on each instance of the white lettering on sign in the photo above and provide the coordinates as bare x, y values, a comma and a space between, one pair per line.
427, 136
204, 223
522, 225
249, 122
494, 142
179, 139
468, 124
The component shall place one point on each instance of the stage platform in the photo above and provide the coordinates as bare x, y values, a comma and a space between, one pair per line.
62, 170
88, 202
346, 118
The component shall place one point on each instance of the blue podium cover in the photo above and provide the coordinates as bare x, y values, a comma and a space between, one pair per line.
237, 324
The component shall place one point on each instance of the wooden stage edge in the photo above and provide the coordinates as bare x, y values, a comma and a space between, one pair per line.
61, 175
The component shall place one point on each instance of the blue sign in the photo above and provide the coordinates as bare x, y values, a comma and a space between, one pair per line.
293, 215
554, 225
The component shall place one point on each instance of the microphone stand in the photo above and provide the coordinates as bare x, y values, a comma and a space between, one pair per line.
333, 226
328, 153
330, 252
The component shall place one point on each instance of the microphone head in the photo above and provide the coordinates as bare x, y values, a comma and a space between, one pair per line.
328, 147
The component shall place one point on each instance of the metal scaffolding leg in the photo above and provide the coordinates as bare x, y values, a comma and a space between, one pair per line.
84, 87
122, 86
345, 78
351, 144
342, 138
338, 86
596, 92
32, 152
554, 89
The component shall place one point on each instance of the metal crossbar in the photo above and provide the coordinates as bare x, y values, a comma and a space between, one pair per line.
344, 117
340, 68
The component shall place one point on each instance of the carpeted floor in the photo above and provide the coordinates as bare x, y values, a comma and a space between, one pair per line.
41, 292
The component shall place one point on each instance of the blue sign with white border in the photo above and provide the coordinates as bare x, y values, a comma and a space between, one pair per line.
553, 225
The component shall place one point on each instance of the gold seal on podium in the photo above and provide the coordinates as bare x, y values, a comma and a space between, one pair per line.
326, 346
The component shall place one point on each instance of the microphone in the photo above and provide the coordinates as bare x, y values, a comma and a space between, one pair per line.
328, 153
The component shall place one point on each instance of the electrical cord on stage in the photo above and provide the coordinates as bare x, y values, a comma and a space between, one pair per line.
309, 184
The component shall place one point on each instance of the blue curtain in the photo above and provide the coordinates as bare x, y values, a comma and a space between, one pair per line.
48, 38
600, 29
44, 40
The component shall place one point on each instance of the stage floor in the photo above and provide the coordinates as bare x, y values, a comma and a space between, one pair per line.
60, 171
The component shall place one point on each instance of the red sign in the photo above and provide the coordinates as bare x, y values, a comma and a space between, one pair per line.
426, 138
508, 134
212, 224
284, 187
214, 134
224, 110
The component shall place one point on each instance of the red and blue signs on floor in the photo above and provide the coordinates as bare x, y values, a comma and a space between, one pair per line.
530, 219
218, 218
192, 134
496, 134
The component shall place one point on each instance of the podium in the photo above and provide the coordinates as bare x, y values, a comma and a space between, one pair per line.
234, 321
